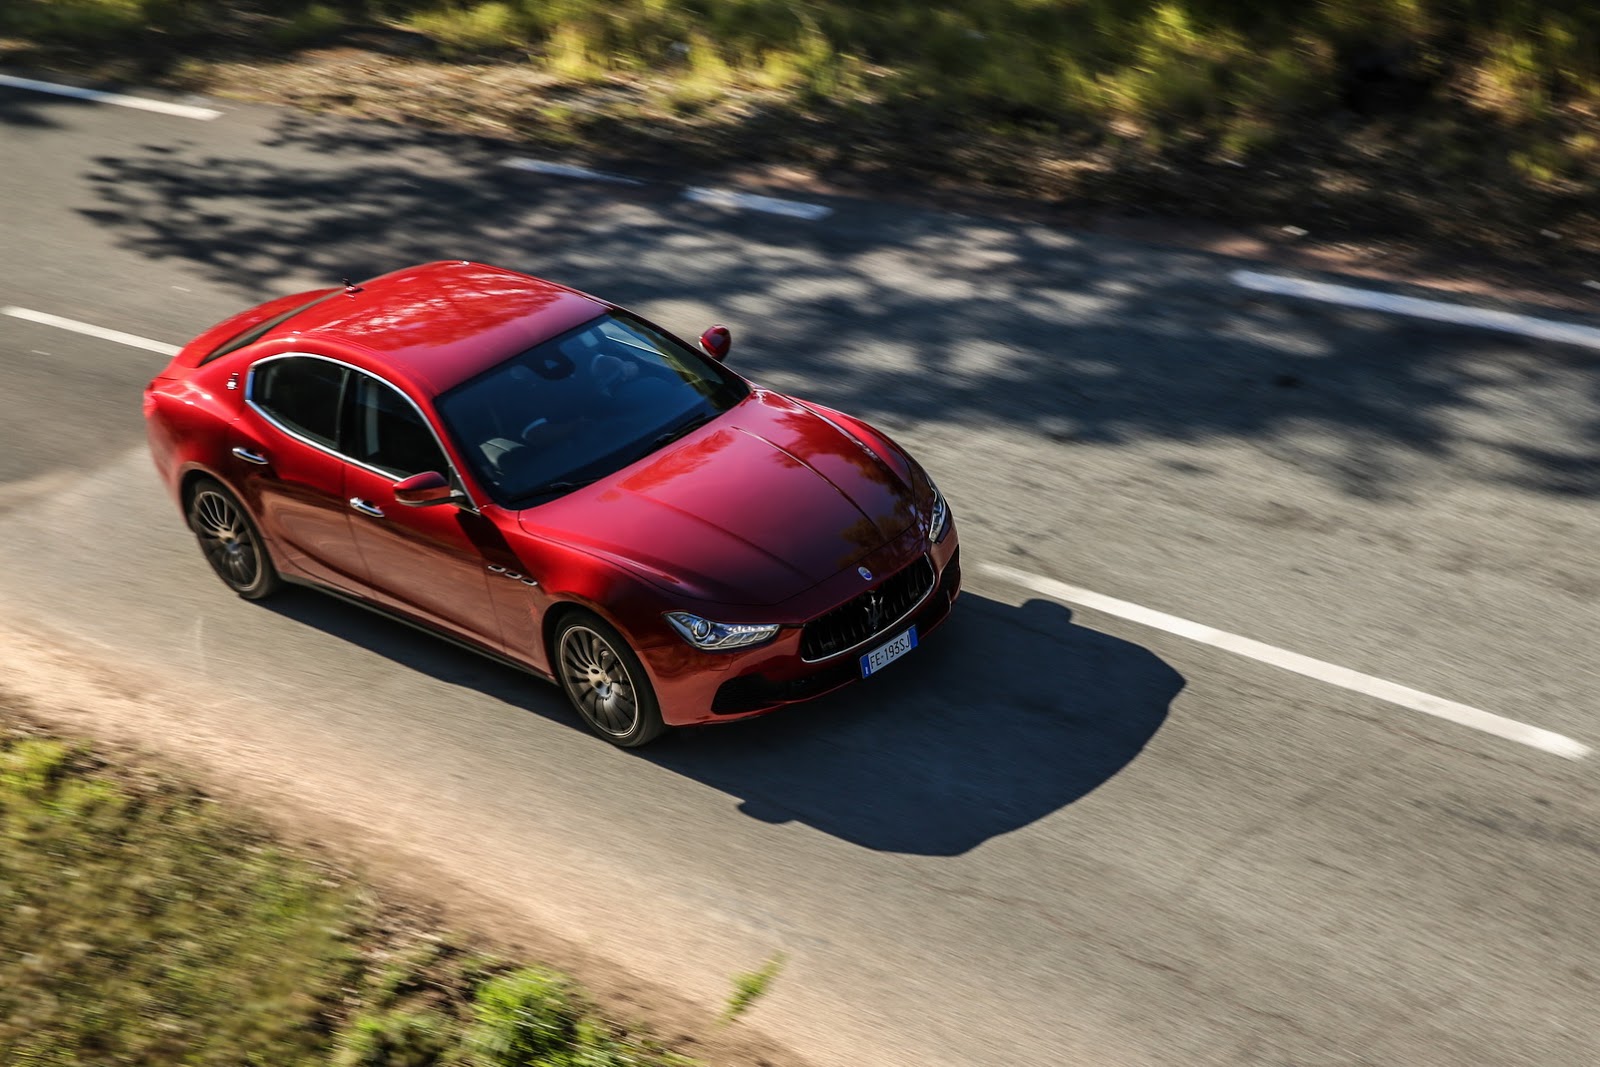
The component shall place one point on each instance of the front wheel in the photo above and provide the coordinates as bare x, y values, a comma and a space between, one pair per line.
231, 543
606, 682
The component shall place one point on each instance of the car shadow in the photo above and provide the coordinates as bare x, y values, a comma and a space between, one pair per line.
1000, 718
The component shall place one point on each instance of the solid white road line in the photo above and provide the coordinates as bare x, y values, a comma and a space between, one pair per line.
1460, 714
90, 330
567, 170
1437, 310
182, 111
752, 202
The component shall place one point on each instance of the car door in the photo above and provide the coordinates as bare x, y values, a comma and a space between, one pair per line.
283, 463
427, 562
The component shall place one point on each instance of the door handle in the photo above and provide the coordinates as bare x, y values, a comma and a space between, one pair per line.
366, 508
251, 457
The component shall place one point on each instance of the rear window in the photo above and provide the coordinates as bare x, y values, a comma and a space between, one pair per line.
261, 329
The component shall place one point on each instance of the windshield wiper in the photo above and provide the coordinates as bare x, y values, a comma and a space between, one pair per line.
661, 440
680, 430
550, 488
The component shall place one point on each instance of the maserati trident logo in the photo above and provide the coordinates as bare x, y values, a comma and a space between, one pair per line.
866, 575
874, 609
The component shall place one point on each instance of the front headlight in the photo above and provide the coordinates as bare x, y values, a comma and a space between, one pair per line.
939, 517
720, 636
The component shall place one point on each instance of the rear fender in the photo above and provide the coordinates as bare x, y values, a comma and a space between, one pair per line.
186, 425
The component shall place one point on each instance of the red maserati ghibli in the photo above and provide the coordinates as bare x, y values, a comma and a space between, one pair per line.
556, 482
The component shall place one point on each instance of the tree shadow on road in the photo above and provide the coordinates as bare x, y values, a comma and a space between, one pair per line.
1002, 717
899, 315
24, 108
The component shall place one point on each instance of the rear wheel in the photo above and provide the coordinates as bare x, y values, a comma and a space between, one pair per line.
230, 542
606, 682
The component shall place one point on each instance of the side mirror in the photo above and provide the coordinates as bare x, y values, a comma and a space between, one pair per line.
716, 341
425, 490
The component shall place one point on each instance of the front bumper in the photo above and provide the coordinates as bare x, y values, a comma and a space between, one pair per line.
698, 687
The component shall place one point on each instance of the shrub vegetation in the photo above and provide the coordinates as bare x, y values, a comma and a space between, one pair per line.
1412, 100
1198, 65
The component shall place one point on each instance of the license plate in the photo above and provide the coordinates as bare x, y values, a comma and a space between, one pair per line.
888, 652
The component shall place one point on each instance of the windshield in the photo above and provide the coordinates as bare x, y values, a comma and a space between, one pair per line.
581, 406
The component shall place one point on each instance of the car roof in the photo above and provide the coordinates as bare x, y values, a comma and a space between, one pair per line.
439, 324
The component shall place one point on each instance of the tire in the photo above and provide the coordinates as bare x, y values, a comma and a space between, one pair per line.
230, 542
605, 681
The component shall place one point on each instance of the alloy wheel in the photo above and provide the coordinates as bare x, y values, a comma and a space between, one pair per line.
226, 539
598, 682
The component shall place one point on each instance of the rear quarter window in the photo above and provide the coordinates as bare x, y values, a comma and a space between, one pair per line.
300, 394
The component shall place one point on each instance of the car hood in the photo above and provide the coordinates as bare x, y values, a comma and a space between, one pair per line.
756, 507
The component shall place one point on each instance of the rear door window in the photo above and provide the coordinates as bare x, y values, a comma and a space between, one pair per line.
301, 394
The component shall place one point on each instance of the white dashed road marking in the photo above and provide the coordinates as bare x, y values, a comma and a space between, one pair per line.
1438, 310
568, 170
727, 198
752, 202
161, 107
90, 330
1343, 677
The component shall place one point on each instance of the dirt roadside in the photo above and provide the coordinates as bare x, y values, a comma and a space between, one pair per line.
69, 687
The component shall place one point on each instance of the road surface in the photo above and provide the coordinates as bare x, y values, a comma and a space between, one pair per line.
1054, 835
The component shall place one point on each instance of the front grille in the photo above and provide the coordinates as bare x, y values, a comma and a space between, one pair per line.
870, 613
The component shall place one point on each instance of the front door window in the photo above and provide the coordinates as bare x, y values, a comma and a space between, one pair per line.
389, 434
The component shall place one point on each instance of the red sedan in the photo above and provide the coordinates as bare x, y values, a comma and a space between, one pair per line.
556, 482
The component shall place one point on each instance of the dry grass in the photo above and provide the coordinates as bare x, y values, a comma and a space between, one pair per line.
141, 924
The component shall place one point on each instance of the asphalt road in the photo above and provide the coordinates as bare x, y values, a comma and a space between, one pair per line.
1048, 837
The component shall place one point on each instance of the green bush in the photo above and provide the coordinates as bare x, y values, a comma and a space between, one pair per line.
751, 987
311, 24
528, 1018
84, 22
493, 26
524, 1018
395, 1039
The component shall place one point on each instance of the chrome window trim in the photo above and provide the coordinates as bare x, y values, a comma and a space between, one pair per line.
249, 399
933, 587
